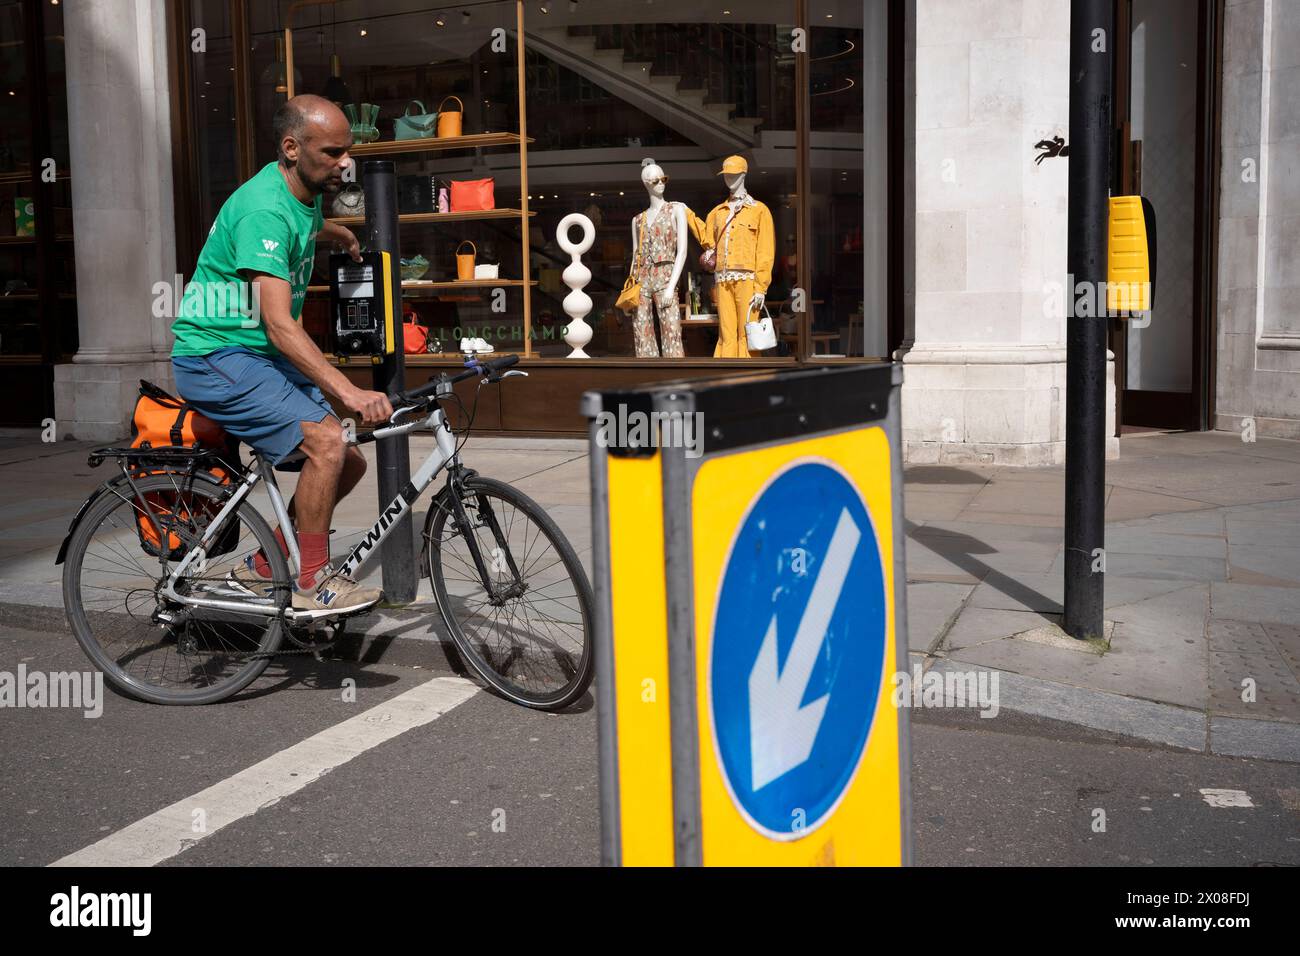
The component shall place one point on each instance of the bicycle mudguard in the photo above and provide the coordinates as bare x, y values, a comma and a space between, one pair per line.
94, 496
85, 506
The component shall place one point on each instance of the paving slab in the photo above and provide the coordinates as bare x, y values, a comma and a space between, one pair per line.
933, 505
1145, 540
1038, 498
1249, 602
1249, 674
1286, 639
1262, 529
1158, 648
1209, 522
1171, 567
931, 606
978, 625
987, 531
1125, 503
1014, 518
1283, 563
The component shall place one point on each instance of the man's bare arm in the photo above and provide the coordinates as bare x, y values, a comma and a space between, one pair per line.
341, 236
274, 298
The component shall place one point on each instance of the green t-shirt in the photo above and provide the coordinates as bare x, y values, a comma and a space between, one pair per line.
262, 227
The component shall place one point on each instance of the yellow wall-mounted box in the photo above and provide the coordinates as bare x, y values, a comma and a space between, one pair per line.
1128, 261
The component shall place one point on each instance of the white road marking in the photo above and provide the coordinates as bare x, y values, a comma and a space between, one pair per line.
171, 830
1227, 798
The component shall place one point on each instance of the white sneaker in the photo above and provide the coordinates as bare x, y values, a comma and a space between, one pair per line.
333, 591
482, 346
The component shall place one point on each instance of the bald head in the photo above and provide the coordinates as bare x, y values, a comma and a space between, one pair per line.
312, 137
302, 116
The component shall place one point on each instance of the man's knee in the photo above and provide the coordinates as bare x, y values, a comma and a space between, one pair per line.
354, 463
322, 443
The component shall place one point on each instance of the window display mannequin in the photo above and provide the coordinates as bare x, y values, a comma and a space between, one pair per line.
659, 252
740, 229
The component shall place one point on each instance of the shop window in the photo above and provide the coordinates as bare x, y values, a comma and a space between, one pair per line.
209, 122
606, 86
611, 85
849, 162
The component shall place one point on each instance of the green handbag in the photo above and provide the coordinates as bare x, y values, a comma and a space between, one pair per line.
363, 123
419, 125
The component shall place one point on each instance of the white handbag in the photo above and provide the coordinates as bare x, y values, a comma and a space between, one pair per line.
485, 271
761, 335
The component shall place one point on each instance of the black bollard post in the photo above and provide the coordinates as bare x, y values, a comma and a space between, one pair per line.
393, 455
1091, 41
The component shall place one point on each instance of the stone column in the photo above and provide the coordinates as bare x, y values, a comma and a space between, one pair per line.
1258, 381
120, 145
984, 378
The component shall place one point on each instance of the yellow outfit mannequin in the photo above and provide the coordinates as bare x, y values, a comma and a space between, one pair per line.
745, 250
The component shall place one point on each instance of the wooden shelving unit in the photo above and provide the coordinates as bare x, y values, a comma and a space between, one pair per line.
27, 240
472, 141
25, 176
417, 284
436, 217
405, 147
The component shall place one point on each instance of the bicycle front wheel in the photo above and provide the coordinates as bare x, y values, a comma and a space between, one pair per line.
528, 632
152, 647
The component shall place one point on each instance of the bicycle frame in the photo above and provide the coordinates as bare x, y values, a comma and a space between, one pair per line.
360, 555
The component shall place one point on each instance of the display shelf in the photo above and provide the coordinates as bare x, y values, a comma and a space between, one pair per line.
437, 217
27, 240
417, 147
25, 176
417, 285
391, 147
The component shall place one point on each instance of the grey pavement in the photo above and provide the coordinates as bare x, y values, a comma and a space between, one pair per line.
1202, 571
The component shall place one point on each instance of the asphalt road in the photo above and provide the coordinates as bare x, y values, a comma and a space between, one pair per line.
487, 782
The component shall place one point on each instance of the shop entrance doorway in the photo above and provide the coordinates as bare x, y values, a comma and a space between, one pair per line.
1165, 65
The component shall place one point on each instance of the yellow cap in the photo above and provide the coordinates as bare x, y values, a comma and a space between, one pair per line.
734, 165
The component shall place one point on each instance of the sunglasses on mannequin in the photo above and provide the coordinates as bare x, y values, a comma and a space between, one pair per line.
657, 180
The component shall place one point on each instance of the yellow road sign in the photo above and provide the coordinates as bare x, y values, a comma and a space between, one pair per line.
748, 567
860, 779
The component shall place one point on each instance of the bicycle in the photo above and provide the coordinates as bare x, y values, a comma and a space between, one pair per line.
174, 628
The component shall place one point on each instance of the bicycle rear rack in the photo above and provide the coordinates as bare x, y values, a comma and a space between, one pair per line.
166, 456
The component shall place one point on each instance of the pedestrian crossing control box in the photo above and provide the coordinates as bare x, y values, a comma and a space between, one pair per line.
361, 307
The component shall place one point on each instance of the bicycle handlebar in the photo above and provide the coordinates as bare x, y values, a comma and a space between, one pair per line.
474, 367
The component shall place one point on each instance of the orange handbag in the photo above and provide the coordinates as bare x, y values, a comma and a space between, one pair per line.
449, 120
465, 261
472, 194
415, 337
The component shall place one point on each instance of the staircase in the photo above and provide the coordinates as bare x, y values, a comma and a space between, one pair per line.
684, 108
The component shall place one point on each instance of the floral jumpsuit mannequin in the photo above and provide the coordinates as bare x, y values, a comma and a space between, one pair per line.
659, 235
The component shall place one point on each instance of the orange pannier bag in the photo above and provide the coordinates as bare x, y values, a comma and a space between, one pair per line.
161, 420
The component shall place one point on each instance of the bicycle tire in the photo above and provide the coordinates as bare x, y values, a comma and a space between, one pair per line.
151, 568
472, 650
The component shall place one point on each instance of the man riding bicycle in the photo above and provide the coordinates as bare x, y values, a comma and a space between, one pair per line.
262, 377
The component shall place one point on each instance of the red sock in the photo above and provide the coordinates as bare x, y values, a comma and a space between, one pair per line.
260, 564
315, 555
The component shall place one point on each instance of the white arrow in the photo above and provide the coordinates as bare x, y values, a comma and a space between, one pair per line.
781, 733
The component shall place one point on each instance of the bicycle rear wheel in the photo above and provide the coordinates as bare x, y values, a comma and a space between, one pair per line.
531, 637
148, 646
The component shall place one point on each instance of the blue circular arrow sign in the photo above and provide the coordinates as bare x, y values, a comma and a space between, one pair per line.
798, 649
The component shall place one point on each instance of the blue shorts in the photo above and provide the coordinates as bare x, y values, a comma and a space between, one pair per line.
259, 399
